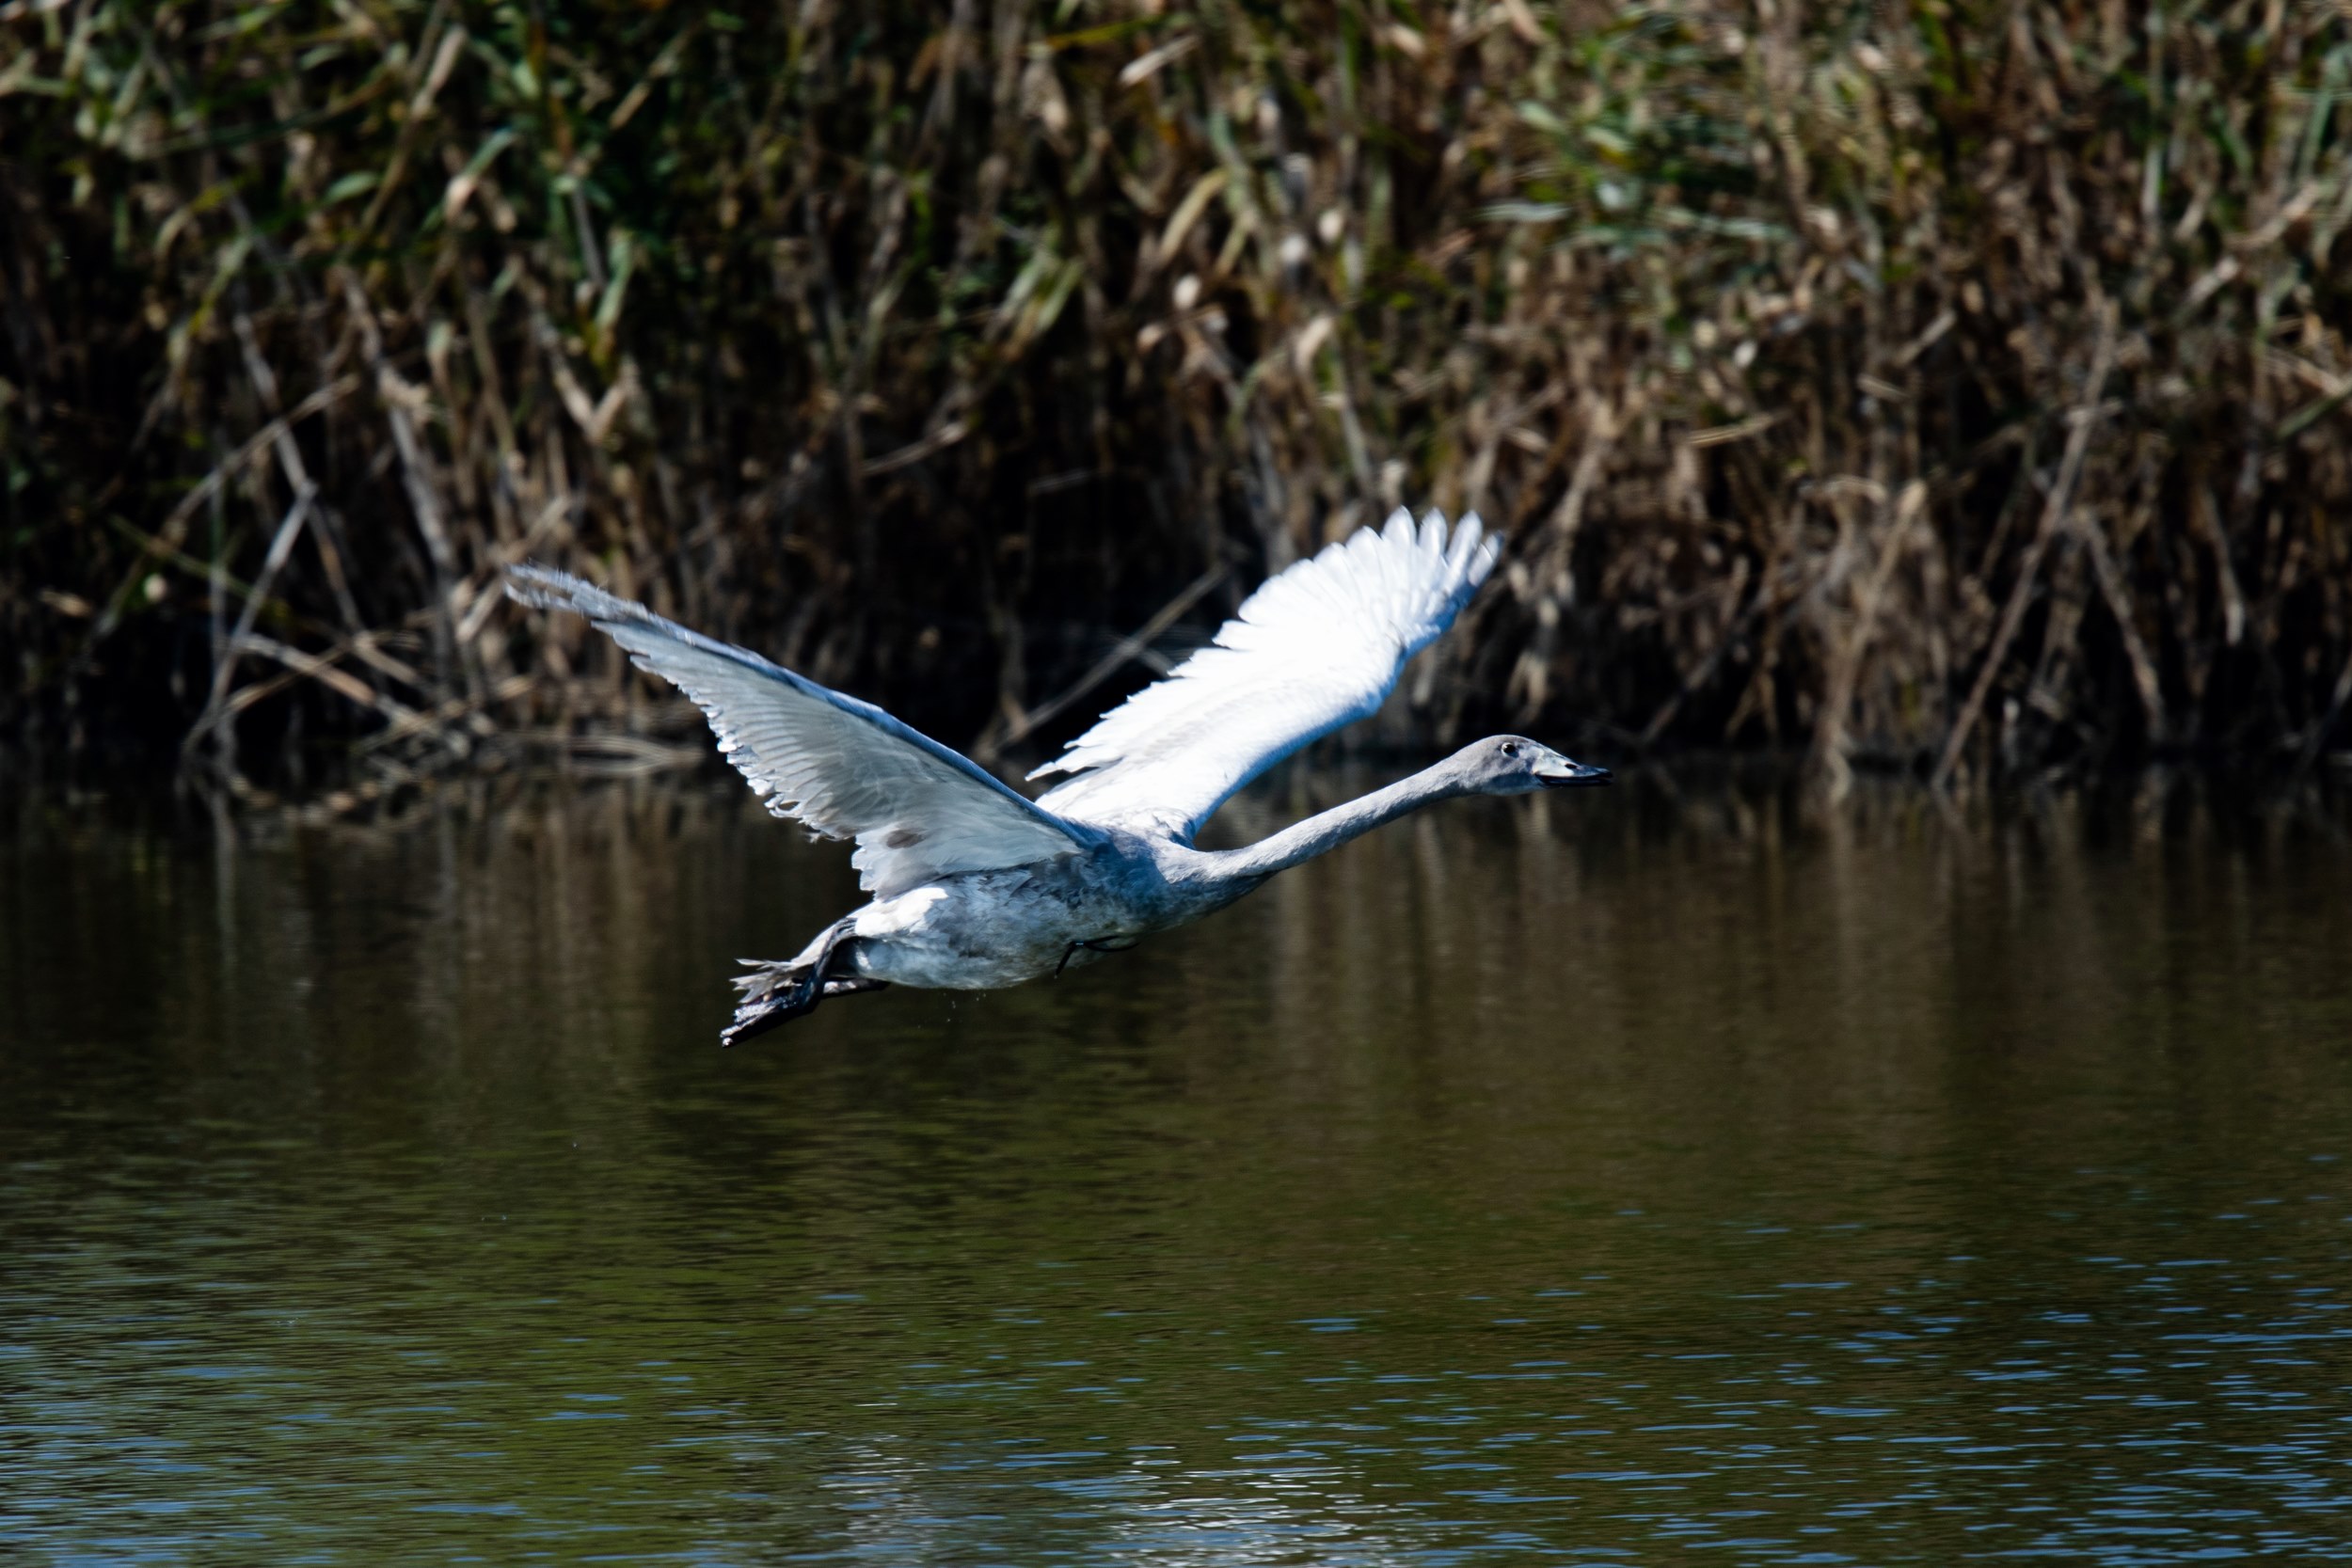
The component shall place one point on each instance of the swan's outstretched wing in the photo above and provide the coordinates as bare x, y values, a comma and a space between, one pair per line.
843, 768
1315, 647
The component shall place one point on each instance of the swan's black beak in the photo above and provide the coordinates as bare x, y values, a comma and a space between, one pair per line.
1577, 774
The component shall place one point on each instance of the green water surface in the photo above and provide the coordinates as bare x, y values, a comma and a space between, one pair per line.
1631, 1177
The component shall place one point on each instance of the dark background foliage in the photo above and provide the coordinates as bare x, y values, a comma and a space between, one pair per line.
1955, 386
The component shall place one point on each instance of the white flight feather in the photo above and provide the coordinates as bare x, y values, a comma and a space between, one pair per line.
844, 769
1315, 647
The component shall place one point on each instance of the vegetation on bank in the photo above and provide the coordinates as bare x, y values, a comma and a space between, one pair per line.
1957, 385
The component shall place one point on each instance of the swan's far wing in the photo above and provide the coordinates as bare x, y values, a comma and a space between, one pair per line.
1315, 647
844, 769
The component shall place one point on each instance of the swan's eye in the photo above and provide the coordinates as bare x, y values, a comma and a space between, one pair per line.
1510, 749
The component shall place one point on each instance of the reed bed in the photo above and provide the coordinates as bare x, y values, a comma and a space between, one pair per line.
1959, 387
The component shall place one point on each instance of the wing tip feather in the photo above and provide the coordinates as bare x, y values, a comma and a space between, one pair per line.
545, 588
541, 587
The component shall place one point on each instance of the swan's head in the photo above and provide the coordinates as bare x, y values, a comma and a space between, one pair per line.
1514, 765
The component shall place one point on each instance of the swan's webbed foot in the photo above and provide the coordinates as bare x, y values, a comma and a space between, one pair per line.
1094, 945
775, 993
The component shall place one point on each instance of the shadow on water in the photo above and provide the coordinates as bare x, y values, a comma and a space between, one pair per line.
1608, 1178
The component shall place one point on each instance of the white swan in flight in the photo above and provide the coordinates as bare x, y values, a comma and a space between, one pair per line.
976, 886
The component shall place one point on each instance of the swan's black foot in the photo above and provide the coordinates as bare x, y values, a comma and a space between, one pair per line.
775, 993
1099, 944
780, 1001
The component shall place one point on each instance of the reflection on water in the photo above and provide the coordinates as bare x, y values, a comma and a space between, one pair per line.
1604, 1178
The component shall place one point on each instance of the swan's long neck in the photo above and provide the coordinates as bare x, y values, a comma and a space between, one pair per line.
1328, 829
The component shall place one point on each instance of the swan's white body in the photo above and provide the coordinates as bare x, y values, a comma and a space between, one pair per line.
976, 886
980, 930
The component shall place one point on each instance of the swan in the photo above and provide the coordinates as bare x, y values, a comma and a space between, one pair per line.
976, 886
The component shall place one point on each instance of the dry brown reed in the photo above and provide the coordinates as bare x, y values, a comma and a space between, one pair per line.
1960, 387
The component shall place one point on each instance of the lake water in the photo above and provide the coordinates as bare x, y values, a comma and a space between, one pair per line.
1627, 1177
